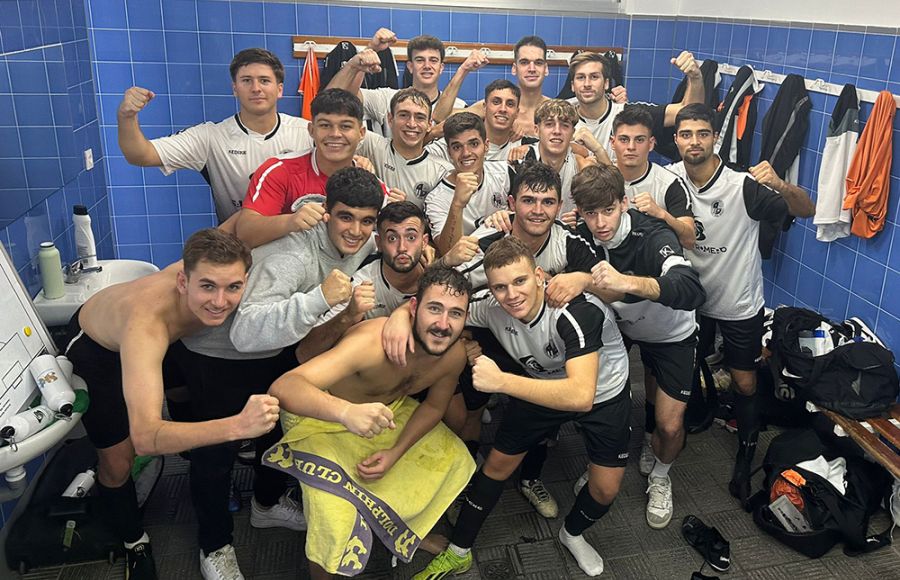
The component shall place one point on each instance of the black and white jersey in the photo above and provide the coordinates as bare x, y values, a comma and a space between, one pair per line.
227, 153
601, 128
667, 190
377, 105
727, 211
566, 174
387, 298
491, 195
414, 177
543, 346
647, 247
562, 251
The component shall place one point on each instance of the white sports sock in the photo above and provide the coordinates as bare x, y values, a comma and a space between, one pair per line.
142, 540
587, 557
660, 469
461, 552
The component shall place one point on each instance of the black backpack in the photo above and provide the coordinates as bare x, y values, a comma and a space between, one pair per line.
833, 517
856, 379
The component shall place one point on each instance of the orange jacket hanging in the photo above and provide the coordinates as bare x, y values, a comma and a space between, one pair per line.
309, 83
869, 177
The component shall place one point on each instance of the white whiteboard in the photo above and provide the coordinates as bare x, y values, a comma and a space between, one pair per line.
23, 337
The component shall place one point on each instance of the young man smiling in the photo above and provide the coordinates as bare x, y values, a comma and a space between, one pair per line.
576, 370
403, 162
472, 191
425, 63
270, 208
228, 152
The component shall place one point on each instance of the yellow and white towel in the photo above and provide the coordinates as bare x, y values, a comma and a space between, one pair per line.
342, 511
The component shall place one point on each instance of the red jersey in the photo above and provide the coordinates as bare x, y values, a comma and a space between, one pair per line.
280, 181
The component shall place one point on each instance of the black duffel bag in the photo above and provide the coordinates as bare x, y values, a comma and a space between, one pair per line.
856, 379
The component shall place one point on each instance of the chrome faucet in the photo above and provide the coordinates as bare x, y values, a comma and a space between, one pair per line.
73, 271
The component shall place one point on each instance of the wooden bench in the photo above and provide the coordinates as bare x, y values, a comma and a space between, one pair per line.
870, 440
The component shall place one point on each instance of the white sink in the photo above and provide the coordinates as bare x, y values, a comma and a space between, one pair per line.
58, 312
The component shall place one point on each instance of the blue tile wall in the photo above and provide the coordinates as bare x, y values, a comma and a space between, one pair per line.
848, 277
180, 49
45, 67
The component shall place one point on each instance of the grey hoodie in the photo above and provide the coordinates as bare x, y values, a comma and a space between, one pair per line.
284, 298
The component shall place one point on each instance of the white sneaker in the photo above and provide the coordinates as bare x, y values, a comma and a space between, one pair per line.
284, 514
580, 482
659, 504
647, 459
535, 492
220, 565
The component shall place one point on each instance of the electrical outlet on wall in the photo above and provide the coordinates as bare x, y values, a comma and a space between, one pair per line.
88, 159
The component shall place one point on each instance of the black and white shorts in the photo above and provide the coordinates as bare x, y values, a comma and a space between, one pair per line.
742, 339
672, 364
605, 428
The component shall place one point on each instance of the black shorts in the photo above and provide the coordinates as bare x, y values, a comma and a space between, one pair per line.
106, 420
491, 348
605, 428
220, 387
742, 339
672, 364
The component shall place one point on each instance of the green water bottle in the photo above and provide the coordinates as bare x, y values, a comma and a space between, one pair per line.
51, 271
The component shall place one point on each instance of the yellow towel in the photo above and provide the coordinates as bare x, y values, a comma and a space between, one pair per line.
342, 511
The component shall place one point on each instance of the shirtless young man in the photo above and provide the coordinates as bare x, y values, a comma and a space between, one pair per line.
353, 383
120, 339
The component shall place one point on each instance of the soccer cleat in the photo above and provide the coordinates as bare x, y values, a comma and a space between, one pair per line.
708, 541
659, 502
444, 564
647, 460
284, 514
139, 564
535, 492
220, 565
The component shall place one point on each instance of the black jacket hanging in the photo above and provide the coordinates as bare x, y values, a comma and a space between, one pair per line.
784, 129
335, 60
344, 51
736, 119
709, 70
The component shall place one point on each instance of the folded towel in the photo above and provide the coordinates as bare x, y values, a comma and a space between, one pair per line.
342, 511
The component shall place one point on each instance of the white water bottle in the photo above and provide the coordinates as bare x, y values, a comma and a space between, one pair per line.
27, 423
81, 485
51, 381
85, 247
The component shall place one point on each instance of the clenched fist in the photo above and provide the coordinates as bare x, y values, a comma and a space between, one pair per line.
367, 419
686, 64
645, 203
466, 184
308, 216
606, 277
474, 61
363, 300
383, 38
487, 376
258, 416
366, 61
336, 287
461, 252
134, 100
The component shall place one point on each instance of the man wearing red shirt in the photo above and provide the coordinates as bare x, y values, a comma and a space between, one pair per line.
270, 210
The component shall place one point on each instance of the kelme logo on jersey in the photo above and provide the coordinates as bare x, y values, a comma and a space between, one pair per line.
718, 208
698, 225
666, 251
530, 363
511, 330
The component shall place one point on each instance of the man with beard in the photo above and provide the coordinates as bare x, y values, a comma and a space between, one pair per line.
656, 292
728, 206
355, 386
576, 370
383, 284
403, 162
271, 208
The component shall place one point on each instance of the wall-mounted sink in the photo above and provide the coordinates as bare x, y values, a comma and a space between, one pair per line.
58, 312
